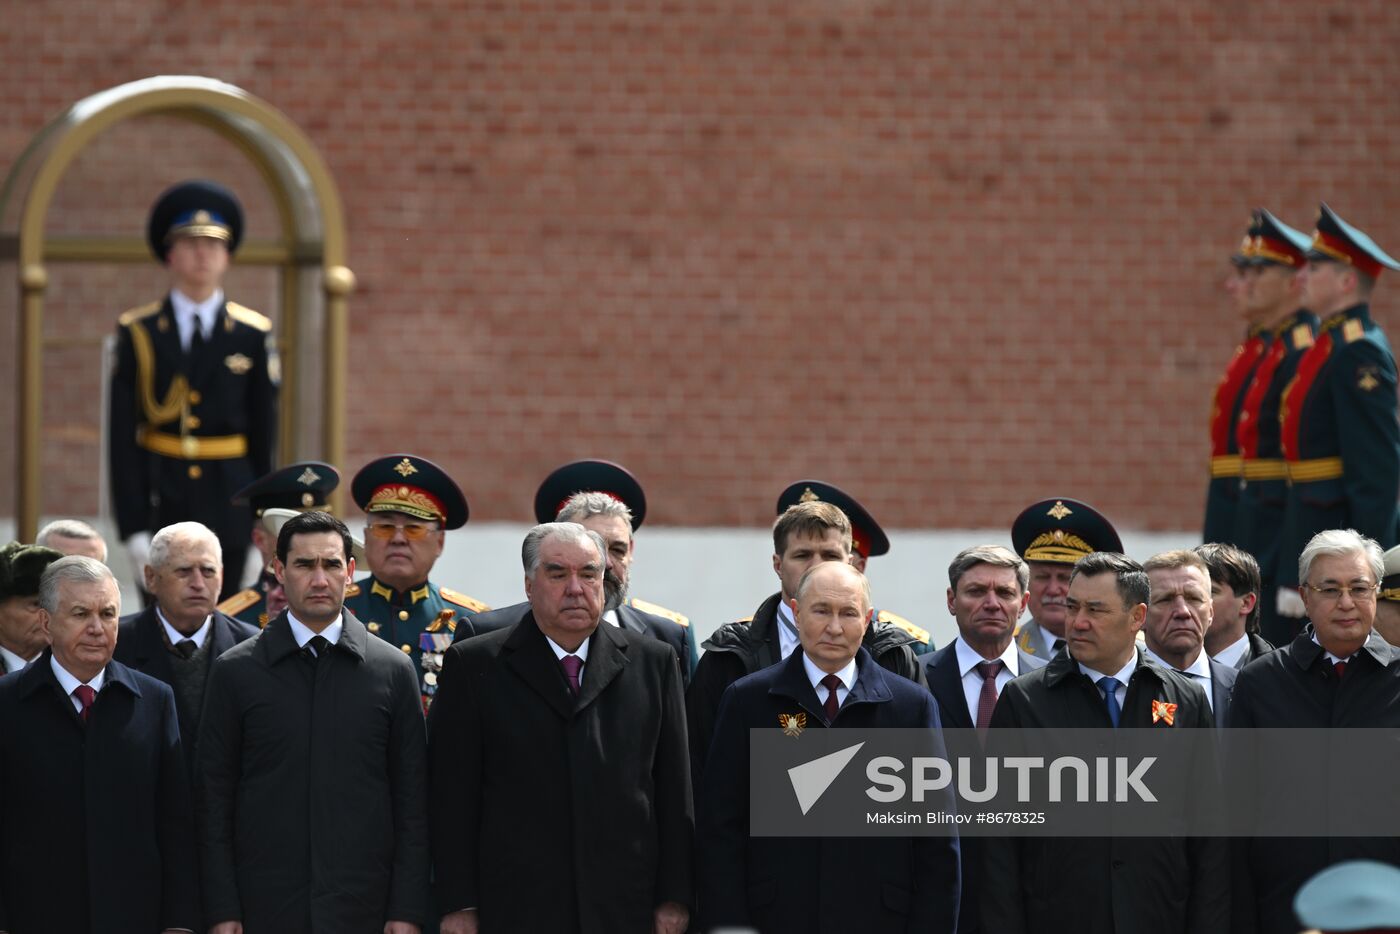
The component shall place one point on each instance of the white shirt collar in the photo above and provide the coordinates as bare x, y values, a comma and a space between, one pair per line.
1200, 668
188, 311
303, 635
815, 674
1123, 675
560, 651
609, 616
12, 661
1231, 654
70, 683
1330, 657
968, 658
1048, 638
175, 636
787, 628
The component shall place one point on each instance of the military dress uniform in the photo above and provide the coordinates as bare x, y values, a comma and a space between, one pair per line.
1226, 467
1263, 497
189, 428
1340, 434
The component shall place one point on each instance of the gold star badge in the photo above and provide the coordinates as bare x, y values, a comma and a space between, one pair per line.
792, 723
405, 468
1059, 510
308, 477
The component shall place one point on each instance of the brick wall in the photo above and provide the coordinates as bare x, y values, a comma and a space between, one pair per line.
952, 257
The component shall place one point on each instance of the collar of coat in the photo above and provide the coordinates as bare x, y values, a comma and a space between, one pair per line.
529, 655
40, 674
1063, 666
1305, 652
792, 683
277, 640
749, 636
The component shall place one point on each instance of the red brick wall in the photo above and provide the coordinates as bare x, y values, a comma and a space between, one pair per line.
953, 257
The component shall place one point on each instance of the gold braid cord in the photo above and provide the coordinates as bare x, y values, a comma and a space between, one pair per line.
175, 399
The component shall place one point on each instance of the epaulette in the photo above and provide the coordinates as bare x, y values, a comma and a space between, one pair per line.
248, 316
885, 616
461, 599
746, 619
136, 314
1353, 331
656, 610
1023, 640
239, 602
1302, 337
353, 590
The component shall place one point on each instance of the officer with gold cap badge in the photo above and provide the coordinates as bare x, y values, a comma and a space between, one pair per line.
868, 541
1222, 493
1050, 536
1359, 896
302, 486
1340, 434
409, 502
193, 401
1388, 600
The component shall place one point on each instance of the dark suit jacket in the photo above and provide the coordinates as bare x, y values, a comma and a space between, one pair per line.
141, 646
813, 885
96, 834
312, 794
1122, 885
569, 814
632, 619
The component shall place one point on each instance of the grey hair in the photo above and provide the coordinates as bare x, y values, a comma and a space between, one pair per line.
564, 531
807, 576
996, 556
162, 541
582, 506
67, 528
76, 569
1339, 542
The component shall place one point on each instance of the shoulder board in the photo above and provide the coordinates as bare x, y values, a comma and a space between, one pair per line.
1023, 639
353, 591
1353, 331
247, 316
1302, 337
657, 610
136, 314
239, 602
885, 616
461, 599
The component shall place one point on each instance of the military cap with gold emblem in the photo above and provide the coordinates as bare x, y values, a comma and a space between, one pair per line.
590, 476
301, 486
1277, 244
1061, 531
195, 209
1336, 241
412, 485
1244, 256
869, 539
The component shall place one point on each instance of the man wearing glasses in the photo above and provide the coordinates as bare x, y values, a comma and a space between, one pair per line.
409, 502
1338, 673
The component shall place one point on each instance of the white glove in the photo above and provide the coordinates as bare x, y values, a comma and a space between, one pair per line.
138, 546
1290, 603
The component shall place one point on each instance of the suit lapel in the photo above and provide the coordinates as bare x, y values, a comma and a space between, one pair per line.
530, 657
629, 620
946, 684
151, 655
607, 656
220, 635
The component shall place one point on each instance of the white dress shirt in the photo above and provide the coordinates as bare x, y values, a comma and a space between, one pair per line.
303, 635
1049, 639
815, 675
1123, 674
968, 660
581, 652
70, 683
188, 312
12, 661
787, 629
1330, 657
1198, 671
176, 636
610, 616
1230, 655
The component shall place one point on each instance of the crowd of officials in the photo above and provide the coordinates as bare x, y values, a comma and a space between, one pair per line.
338, 751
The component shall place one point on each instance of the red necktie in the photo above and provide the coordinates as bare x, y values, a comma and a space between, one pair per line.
833, 703
572, 666
987, 700
85, 695
1341, 669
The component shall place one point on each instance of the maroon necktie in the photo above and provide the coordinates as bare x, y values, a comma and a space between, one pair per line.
85, 695
572, 666
1341, 669
833, 703
987, 700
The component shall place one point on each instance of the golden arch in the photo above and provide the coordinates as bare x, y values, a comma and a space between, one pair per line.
311, 215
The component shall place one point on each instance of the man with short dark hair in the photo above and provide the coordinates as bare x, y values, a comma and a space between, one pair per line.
22, 638
561, 745
313, 763
1233, 638
1179, 614
96, 832
787, 885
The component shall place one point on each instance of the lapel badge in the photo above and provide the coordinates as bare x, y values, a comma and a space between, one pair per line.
792, 723
405, 468
1161, 710
238, 363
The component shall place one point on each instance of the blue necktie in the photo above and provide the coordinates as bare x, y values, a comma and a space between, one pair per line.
1110, 696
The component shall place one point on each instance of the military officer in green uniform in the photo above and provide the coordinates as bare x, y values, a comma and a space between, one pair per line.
1051, 536
302, 486
868, 541
1275, 296
1340, 436
193, 401
409, 503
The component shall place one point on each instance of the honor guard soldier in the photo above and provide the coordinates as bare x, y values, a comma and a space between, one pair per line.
605, 498
1051, 536
1275, 296
1223, 492
193, 402
302, 487
409, 502
1341, 440
868, 541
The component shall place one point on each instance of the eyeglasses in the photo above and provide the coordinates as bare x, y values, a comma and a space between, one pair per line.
413, 531
1331, 593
